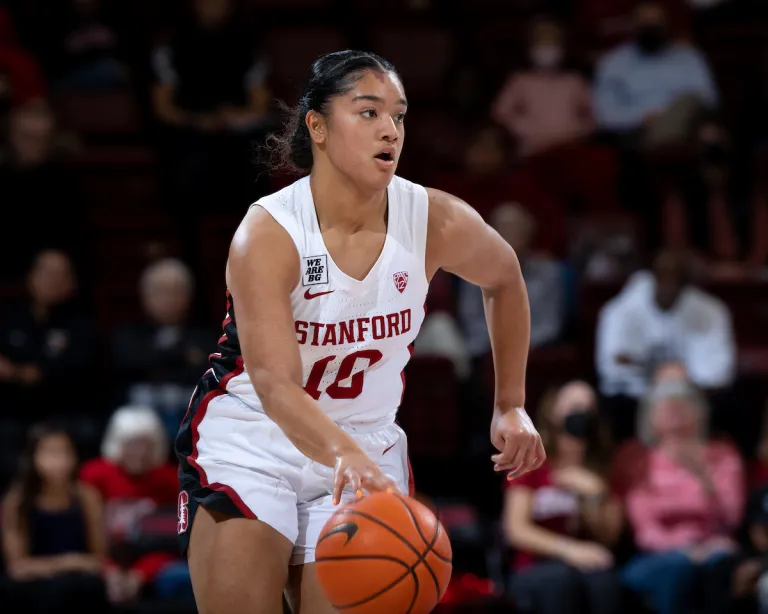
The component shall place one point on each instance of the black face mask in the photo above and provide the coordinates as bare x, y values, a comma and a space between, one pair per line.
714, 154
651, 38
581, 424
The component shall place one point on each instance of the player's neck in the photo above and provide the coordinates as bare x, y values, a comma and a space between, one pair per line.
342, 205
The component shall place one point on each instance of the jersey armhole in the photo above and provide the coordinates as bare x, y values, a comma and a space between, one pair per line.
420, 226
288, 224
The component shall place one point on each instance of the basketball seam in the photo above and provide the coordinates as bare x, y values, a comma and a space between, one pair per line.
430, 546
445, 559
421, 559
382, 557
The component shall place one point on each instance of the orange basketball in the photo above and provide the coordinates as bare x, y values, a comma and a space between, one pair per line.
383, 554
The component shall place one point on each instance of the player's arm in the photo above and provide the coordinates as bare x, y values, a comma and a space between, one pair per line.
262, 270
460, 242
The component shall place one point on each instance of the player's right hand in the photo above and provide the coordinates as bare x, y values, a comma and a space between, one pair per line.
360, 472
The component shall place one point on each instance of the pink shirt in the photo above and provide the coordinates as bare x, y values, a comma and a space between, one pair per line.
668, 507
544, 109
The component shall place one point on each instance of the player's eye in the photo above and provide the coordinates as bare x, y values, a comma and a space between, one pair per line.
369, 113
400, 117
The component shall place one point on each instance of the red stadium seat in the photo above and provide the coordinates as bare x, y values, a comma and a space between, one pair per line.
422, 55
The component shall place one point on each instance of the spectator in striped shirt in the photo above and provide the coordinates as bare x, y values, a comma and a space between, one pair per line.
684, 494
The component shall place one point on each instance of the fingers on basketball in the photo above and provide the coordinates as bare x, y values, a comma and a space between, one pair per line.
384, 553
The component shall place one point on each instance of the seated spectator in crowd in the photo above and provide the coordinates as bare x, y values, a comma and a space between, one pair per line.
562, 519
84, 53
158, 361
46, 345
684, 498
53, 542
658, 317
36, 192
544, 279
750, 580
135, 479
21, 80
653, 88
211, 94
603, 24
486, 180
717, 211
547, 104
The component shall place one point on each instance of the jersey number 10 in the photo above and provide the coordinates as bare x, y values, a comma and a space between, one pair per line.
335, 390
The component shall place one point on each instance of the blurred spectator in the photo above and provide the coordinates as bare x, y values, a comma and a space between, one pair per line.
83, 54
562, 519
603, 24
37, 192
20, 78
716, 210
211, 94
440, 335
546, 105
486, 181
750, 581
158, 361
46, 345
759, 471
52, 531
653, 88
659, 317
544, 279
135, 479
684, 495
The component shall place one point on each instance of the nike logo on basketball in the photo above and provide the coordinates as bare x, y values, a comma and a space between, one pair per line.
348, 528
309, 296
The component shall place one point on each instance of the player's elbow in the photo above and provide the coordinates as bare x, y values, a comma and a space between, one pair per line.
271, 386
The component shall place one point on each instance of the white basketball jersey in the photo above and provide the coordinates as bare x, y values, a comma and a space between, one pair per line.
355, 337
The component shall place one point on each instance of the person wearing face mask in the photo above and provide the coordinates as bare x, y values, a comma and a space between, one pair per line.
562, 519
545, 105
717, 212
652, 89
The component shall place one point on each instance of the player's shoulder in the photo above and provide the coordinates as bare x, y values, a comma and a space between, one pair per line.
445, 207
287, 199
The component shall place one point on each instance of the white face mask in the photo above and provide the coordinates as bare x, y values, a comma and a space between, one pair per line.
546, 56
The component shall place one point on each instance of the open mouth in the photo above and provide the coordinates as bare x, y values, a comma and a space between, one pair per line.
385, 156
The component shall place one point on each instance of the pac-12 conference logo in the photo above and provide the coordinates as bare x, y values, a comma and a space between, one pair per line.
401, 281
315, 270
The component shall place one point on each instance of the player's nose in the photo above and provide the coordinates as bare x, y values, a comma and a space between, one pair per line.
389, 129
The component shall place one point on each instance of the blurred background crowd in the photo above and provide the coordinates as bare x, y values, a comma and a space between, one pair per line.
620, 148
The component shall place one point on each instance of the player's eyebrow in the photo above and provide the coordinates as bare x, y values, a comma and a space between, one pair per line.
378, 99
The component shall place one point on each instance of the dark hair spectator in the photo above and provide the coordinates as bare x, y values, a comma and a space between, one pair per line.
562, 519
46, 346
53, 542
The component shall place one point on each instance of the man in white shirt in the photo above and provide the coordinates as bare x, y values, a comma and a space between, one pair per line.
656, 318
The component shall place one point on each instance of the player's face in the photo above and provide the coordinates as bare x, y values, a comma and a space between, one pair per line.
365, 130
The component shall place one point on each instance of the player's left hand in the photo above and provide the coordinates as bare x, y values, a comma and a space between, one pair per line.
518, 442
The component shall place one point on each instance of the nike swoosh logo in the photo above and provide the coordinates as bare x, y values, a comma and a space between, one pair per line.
348, 528
388, 449
309, 296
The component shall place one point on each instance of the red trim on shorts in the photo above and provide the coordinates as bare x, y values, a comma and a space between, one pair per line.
195, 425
411, 482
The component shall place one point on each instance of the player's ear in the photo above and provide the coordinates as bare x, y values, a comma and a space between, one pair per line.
316, 125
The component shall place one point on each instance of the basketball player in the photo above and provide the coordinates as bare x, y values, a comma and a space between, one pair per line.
327, 282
